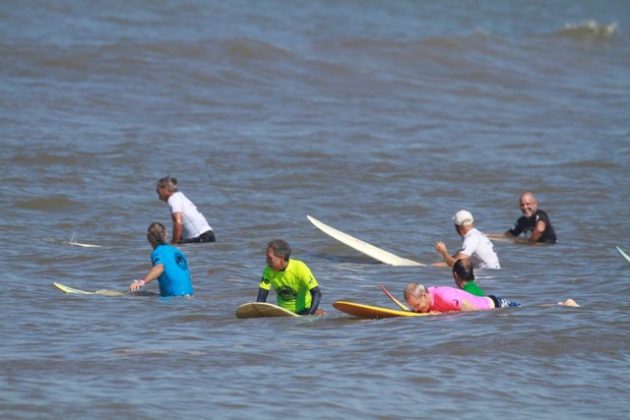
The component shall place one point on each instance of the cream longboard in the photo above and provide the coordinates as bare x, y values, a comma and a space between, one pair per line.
624, 254
262, 310
73, 291
363, 311
363, 247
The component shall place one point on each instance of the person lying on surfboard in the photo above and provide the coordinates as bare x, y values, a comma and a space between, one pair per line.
533, 220
296, 288
170, 267
449, 299
476, 245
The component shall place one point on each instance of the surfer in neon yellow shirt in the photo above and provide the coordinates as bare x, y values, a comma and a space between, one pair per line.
294, 284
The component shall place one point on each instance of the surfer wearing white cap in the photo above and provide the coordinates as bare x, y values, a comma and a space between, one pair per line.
476, 245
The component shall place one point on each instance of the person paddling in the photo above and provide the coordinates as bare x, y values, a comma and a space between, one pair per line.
449, 299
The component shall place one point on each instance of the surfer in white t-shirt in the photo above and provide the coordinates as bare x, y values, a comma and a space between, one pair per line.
476, 245
189, 225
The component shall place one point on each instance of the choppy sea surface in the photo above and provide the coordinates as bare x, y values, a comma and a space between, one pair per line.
381, 119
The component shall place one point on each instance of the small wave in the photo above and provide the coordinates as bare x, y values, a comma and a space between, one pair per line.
589, 29
48, 204
589, 164
247, 49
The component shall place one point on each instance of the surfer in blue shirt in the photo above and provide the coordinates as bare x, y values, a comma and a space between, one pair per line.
170, 267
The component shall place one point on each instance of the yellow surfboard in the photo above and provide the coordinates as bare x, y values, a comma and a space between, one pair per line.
73, 291
261, 310
372, 312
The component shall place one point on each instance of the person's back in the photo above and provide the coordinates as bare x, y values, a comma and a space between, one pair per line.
189, 225
480, 249
194, 223
175, 280
476, 246
169, 266
464, 276
448, 299
472, 288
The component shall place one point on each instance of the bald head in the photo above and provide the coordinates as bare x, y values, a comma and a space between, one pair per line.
528, 203
528, 195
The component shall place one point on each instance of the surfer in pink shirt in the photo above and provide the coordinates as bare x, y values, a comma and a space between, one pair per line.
449, 299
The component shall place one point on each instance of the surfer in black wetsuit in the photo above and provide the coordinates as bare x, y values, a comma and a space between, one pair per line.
533, 220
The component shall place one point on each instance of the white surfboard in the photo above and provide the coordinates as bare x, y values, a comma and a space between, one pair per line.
624, 254
73, 243
363, 247
72, 291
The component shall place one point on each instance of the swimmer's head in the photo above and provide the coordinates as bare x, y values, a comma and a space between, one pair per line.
156, 234
463, 271
417, 297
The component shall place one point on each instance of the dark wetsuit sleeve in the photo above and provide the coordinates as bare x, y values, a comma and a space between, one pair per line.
316, 296
518, 227
549, 235
262, 295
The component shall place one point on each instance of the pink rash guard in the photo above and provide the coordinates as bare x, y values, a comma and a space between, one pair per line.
448, 299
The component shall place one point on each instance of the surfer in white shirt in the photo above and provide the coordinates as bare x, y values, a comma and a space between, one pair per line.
476, 245
189, 225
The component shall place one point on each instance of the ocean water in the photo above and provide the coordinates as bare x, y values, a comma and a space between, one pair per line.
381, 119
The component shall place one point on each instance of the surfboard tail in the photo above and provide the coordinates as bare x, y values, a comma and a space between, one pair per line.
368, 249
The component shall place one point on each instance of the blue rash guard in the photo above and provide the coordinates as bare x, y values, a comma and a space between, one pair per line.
175, 280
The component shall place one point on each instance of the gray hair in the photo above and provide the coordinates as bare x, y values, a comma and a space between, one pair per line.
414, 289
168, 182
280, 248
156, 233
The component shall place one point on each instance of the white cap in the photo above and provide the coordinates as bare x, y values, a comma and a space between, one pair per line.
463, 217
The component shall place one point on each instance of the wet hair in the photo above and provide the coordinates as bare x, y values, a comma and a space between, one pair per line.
156, 233
464, 269
280, 248
168, 182
414, 289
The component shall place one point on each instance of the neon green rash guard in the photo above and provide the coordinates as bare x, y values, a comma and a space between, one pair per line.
472, 288
292, 285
